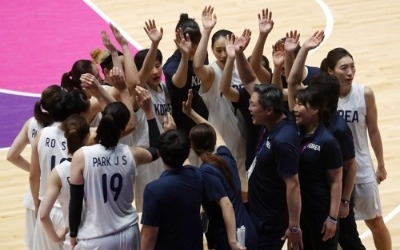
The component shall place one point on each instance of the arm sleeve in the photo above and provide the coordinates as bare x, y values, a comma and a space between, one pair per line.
75, 209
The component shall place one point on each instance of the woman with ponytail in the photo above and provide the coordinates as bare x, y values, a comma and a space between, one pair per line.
103, 176
43, 116
76, 131
222, 190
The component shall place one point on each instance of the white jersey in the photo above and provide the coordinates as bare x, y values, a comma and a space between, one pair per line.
161, 102
52, 150
108, 191
33, 128
63, 171
353, 109
222, 117
152, 171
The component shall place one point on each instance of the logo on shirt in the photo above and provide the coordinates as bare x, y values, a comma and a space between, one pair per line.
311, 146
195, 81
349, 115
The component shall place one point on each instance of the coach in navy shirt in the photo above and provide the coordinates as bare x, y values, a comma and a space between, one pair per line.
274, 191
171, 204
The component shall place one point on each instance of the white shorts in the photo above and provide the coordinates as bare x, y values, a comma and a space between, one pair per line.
367, 204
40, 239
30, 221
128, 239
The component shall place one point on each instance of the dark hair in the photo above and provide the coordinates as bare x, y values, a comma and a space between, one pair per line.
334, 56
189, 26
71, 80
329, 87
115, 117
75, 131
203, 140
48, 105
220, 33
264, 63
315, 99
270, 96
75, 102
324, 66
141, 55
173, 147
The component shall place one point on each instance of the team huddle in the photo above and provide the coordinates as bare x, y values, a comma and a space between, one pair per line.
218, 146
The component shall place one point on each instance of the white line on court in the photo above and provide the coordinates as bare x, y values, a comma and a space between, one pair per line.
387, 218
13, 92
108, 20
329, 21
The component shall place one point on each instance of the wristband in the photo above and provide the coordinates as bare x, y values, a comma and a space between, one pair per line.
332, 219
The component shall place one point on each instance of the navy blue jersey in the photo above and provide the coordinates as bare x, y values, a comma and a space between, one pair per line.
179, 95
216, 187
277, 157
342, 132
320, 152
172, 203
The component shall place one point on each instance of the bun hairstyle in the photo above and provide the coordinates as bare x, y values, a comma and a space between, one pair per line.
49, 104
115, 117
103, 58
76, 129
189, 26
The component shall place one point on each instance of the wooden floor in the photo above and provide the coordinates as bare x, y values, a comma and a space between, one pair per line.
367, 28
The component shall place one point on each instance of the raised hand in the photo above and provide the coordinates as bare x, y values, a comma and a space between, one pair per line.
143, 99
265, 22
184, 43
278, 55
315, 40
106, 41
168, 123
243, 41
118, 36
208, 17
187, 105
90, 84
152, 32
292, 41
230, 45
117, 78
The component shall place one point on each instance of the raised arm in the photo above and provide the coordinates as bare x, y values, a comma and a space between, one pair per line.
187, 109
374, 134
278, 57
265, 24
291, 45
129, 69
184, 45
119, 83
296, 72
245, 70
226, 79
155, 37
205, 72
